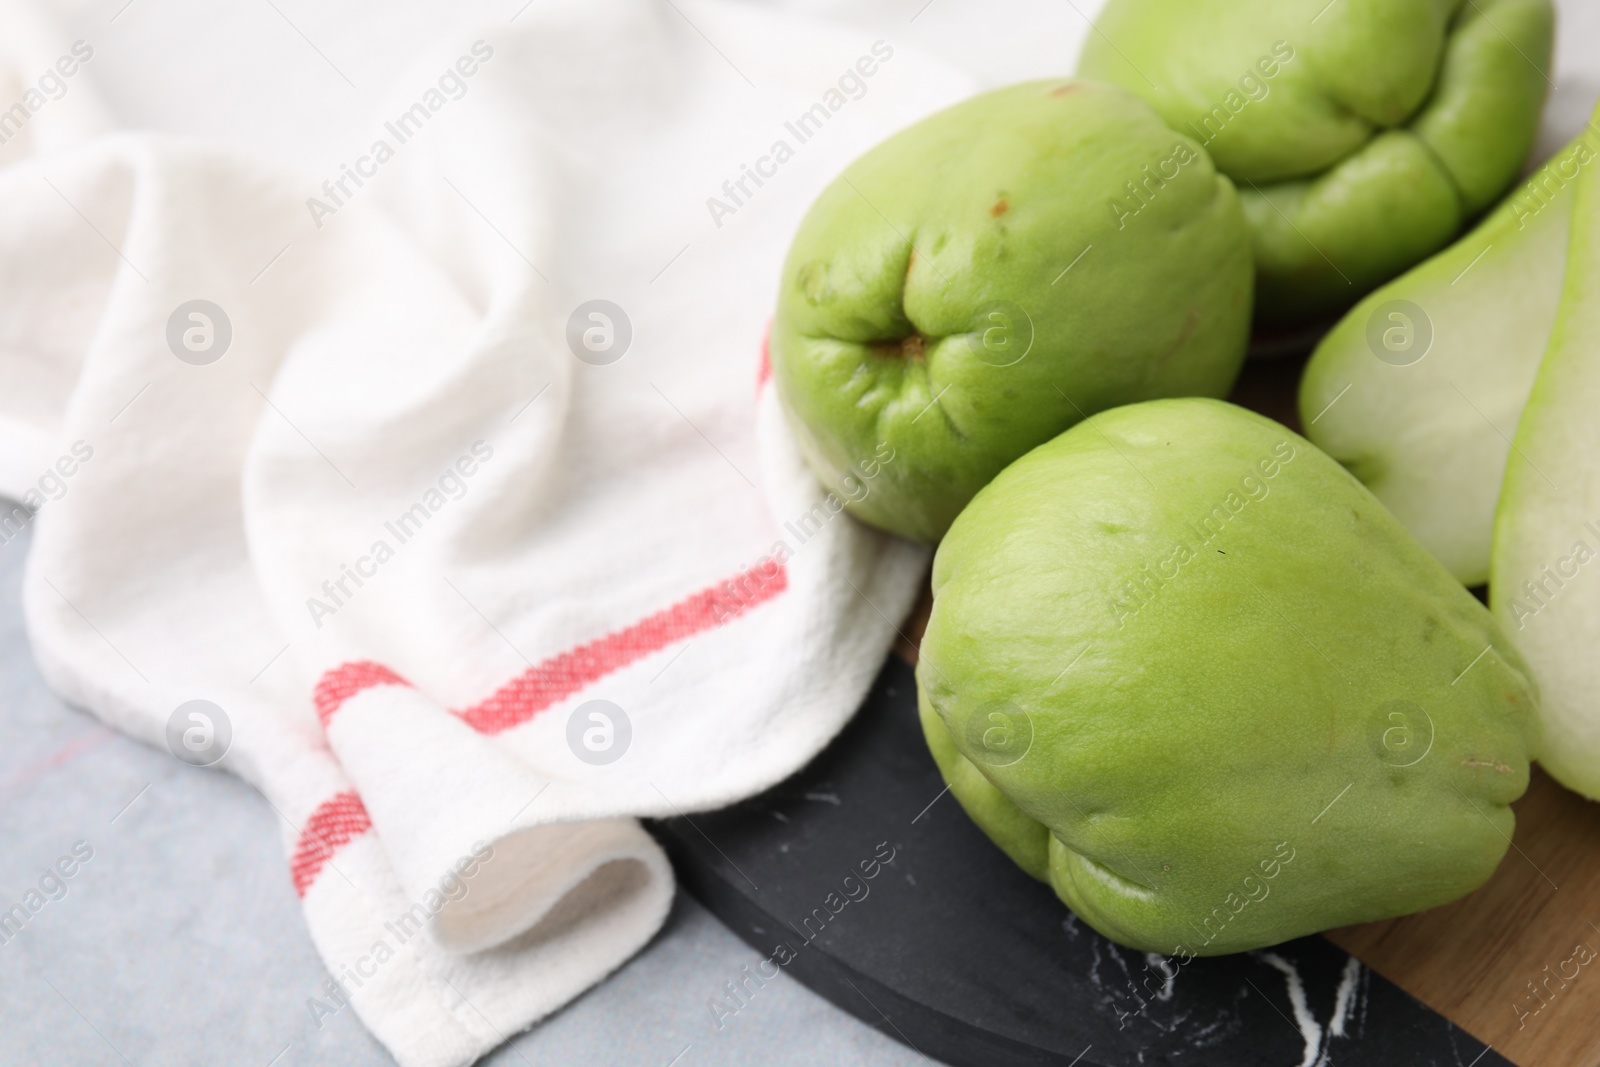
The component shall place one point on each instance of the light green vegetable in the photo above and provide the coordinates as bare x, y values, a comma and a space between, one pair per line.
1418, 390
961, 294
1363, 133
1184, 667
1544, 584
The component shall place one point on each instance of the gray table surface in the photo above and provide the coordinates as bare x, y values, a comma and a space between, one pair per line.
181, 941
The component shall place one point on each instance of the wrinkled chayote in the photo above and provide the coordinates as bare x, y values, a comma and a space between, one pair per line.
1185, 668
960, 295
1363, 134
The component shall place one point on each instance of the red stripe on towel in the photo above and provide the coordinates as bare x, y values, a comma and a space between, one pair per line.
333, 825
562, 675
342, 818
345, 681
764, 369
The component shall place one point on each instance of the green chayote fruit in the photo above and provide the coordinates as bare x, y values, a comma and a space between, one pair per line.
1363, 133
1184, 667
1419, 388
1541, 578
960, 295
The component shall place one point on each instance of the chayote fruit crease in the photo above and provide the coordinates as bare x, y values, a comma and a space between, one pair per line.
1363, 134
1185, 668
960, 294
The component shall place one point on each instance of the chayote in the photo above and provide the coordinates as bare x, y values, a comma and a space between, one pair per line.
1185, 668
1363, 134
1419, 388
960, 294
1542, 582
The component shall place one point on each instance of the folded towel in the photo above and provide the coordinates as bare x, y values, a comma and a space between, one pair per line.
439, 495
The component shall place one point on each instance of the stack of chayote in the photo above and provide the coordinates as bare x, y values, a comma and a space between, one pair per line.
1218, 684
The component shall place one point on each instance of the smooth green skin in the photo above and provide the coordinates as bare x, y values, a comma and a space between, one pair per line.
1431, 439
1239, 714
1543, 588
992, 201
1395, 122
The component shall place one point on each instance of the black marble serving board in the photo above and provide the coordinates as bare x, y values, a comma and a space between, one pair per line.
951, 949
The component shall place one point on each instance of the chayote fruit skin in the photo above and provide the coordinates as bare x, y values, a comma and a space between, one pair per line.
1363, 134
963, 292
1197, 749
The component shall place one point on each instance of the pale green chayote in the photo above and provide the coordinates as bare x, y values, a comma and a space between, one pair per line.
1185, 668
960, 294
1363, 134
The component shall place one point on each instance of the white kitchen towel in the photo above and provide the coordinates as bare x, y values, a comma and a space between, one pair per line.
440, 491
